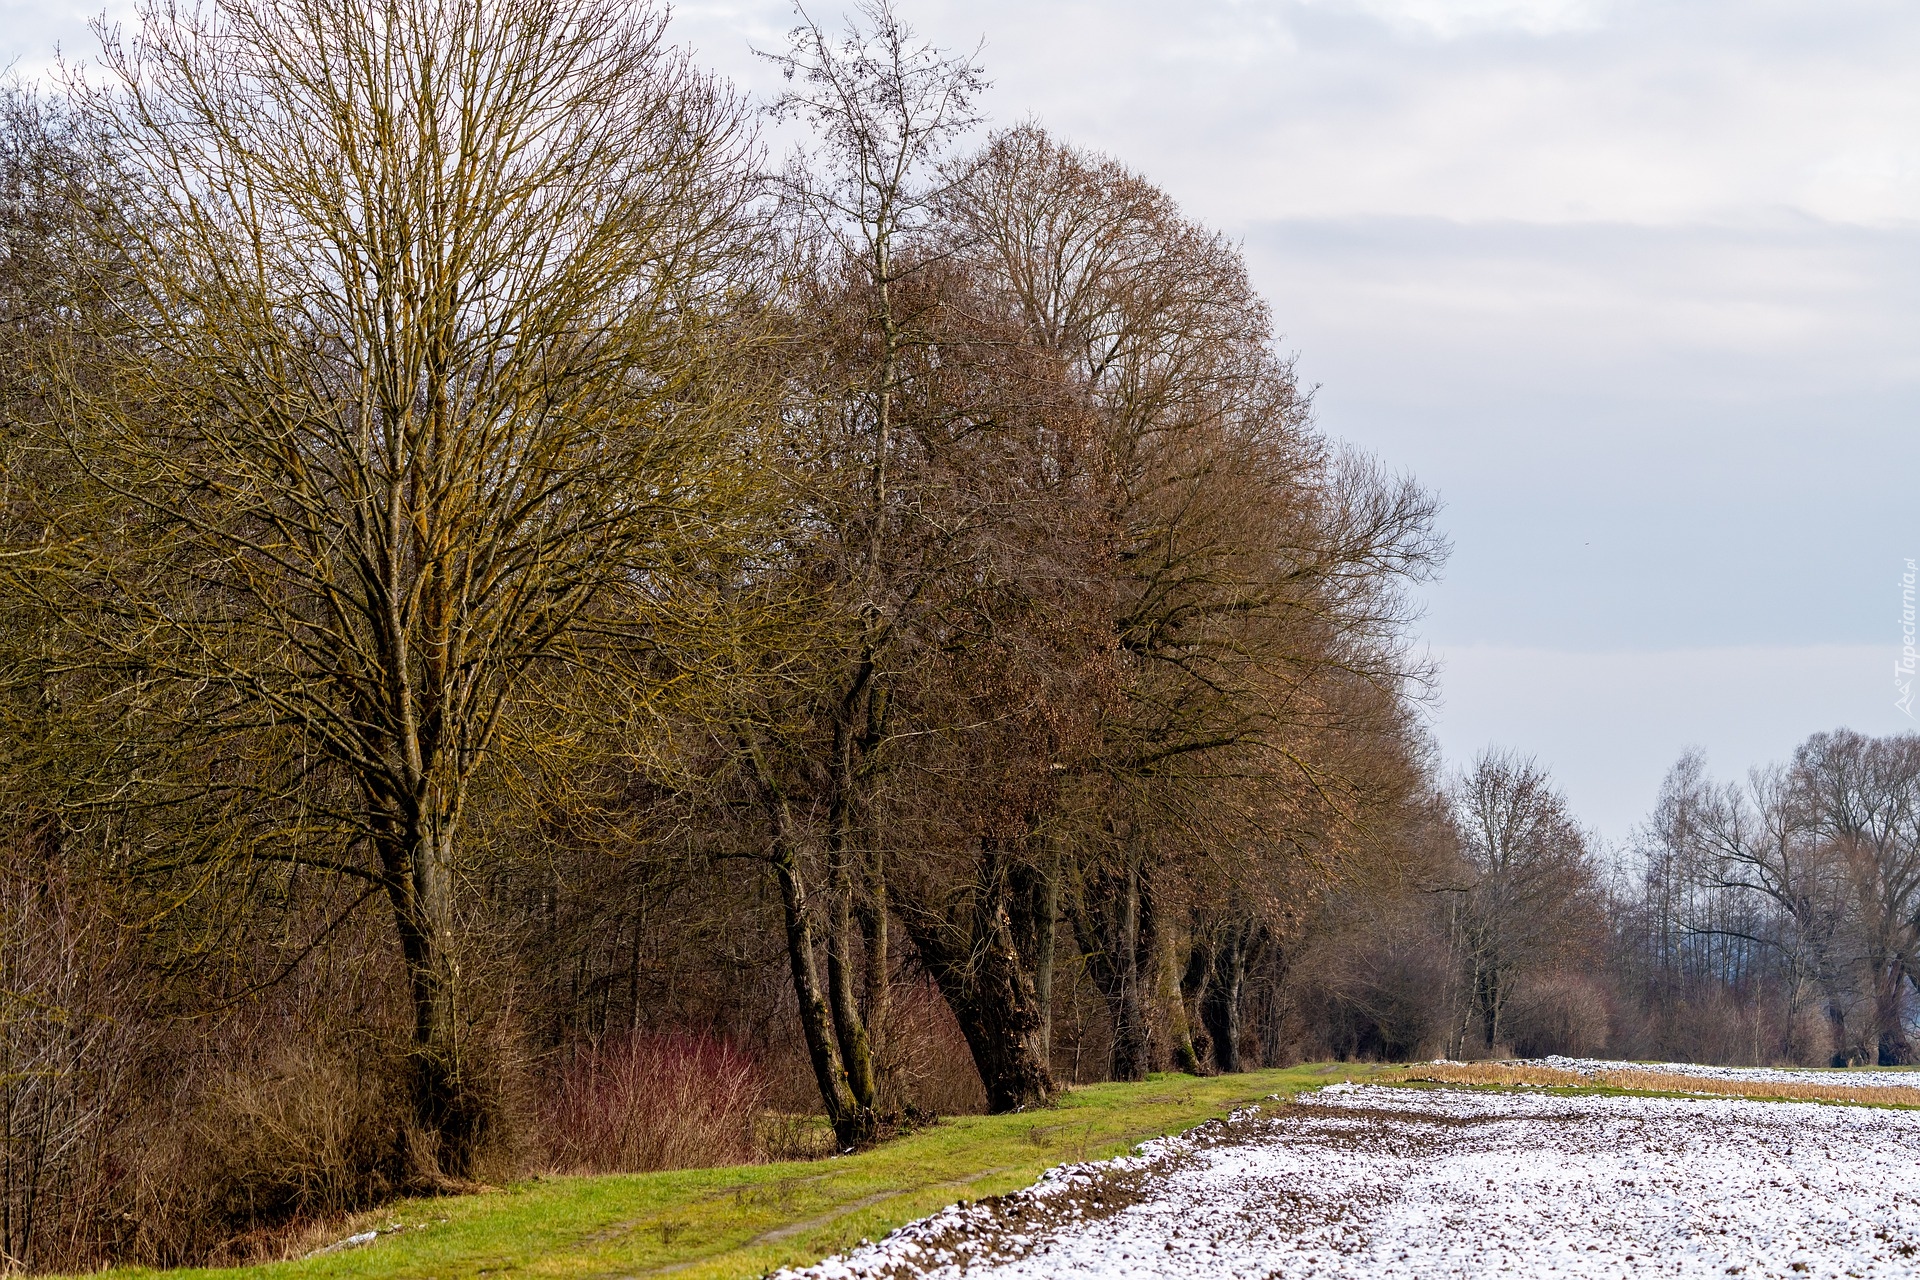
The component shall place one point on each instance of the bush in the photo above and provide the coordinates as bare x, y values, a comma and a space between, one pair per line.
645, 1101
287, 1133
1557, 1013
67, 1061
1372, 989
928, 1067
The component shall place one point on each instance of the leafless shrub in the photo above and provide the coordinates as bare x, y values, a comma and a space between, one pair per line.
1557, 1013
1726, 1027
1371, 985
646, 1101
788, 1135
1796, 1090
928, 1066
1495, 1073
279, 1137
62, 1058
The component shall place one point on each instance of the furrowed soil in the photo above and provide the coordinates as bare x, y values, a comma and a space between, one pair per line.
1413, 1184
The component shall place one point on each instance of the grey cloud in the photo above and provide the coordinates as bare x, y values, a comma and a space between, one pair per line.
1647, 437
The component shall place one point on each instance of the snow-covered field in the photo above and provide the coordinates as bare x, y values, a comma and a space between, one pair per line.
1853, 1076
1366, 1181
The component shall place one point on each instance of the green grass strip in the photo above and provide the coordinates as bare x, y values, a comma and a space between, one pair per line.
733, 1223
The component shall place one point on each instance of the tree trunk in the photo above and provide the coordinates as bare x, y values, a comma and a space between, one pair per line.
850, 1029
1114, 933
975, 960
816, 1024
853, 1124
878, 994
1843, 1055
993, 1000
854, 871
1196, 985
1170, 978
1492, 1001
447, 1113
1045, 942
1220, 1008
1035, 912
1892, 1048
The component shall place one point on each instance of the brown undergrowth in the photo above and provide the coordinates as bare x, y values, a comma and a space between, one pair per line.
1512, 1074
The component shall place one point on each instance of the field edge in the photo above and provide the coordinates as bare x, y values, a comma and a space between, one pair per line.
732, 1223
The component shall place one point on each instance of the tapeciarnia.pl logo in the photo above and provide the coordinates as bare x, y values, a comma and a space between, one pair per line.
1903, 669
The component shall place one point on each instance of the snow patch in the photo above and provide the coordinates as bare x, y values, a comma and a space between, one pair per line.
1361, 1182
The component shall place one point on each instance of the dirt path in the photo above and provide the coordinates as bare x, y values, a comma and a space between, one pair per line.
1368, 1182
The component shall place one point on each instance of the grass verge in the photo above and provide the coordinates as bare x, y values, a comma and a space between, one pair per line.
731, 1223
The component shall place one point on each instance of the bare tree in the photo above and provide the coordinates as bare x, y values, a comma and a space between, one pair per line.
1860, 797
1748, 867
1253, 569
1529, 884
883, 107
418, 397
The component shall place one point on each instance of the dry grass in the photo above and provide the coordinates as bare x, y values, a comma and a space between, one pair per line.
1515, 1074
1494, 1073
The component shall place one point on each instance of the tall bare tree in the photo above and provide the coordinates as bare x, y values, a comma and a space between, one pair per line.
418, 403
1251, 568
1530, 890
1758, 866
882, 108
1860, 797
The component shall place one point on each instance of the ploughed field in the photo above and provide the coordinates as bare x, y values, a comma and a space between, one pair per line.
1371, 1181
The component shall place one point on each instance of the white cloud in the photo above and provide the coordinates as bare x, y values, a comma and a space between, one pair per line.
1655, 112
1452, 19
1652, 111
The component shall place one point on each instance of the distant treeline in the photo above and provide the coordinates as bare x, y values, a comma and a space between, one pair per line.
1775, 922
537, 639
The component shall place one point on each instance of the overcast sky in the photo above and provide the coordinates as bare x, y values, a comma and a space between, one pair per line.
1633, 285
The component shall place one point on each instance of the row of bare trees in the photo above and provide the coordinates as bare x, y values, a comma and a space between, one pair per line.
1489, 933
489, 568
1773, 920
503, 592
1799, 889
